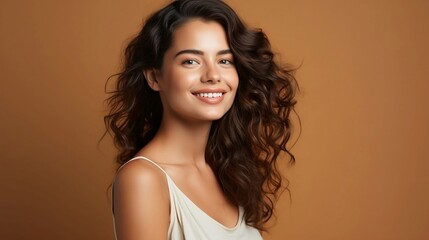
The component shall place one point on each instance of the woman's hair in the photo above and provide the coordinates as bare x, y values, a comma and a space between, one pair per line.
245, 143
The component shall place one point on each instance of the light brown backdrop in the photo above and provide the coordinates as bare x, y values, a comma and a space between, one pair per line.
362, 159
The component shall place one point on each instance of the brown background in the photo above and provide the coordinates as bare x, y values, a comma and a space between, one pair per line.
362, 159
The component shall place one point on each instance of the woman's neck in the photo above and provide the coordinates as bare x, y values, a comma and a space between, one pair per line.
178, 142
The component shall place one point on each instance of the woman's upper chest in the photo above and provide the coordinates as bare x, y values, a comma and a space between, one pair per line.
200, 186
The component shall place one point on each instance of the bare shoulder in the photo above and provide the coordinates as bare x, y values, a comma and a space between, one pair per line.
141, 174
141, 201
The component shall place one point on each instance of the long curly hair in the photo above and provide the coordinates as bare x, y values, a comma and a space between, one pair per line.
243, 145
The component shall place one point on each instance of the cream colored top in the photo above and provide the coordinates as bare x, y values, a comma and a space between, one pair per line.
188, 221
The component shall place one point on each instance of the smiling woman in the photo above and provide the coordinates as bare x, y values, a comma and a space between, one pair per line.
200, 115
198, 79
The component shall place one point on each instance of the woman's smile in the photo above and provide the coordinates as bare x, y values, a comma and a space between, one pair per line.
210, 96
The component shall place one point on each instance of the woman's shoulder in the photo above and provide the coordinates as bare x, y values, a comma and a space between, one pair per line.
140, 172
140, 201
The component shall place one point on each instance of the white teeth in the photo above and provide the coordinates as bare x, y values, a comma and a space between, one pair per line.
209, 95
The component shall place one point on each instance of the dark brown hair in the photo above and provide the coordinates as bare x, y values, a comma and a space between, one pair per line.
245, 143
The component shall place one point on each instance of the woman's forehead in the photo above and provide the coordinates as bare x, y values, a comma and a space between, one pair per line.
201, 34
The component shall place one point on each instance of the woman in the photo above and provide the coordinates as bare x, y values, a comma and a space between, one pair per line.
200, 114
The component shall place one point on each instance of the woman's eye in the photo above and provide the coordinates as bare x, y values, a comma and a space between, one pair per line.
190, 62
226, 61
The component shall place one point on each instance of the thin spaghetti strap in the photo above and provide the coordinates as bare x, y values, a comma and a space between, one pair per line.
146, 159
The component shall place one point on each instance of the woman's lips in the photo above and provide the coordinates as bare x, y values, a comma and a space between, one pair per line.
210, 97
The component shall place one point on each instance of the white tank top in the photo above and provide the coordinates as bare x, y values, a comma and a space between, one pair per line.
188, 221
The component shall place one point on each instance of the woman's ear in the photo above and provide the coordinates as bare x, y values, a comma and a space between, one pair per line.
151, 76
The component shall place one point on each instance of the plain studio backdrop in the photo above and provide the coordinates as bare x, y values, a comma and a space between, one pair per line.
362, 158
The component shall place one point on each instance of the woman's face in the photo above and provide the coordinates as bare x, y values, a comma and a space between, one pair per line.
198, 79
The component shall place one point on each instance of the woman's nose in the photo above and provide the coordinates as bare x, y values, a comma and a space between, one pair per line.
211, 74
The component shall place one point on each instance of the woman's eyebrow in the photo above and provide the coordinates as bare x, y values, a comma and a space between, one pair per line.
191, 51
223, 52
199, 52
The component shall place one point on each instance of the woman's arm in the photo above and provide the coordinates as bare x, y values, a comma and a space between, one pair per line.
141, 202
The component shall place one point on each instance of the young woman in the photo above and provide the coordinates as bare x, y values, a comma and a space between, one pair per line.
200, 115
